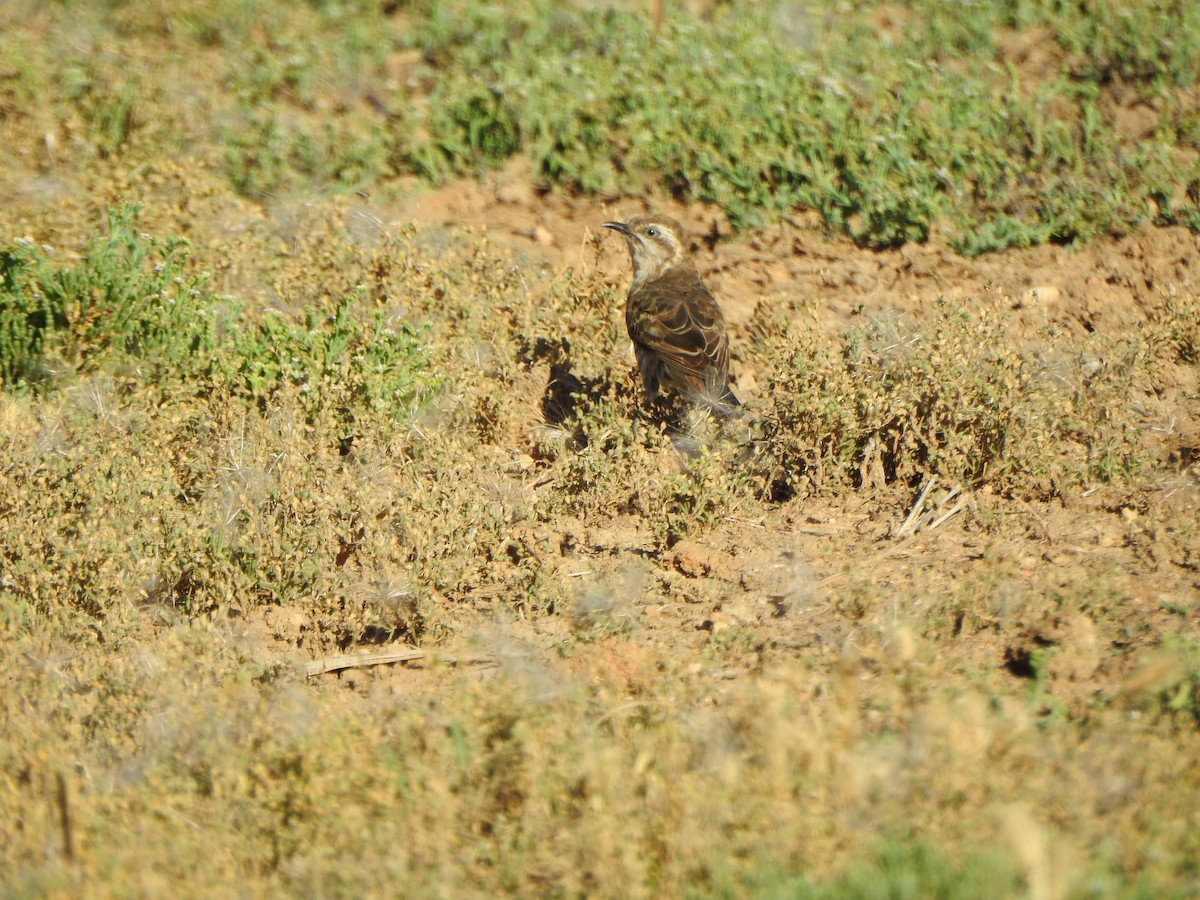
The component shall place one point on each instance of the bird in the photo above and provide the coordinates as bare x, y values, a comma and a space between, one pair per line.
677, 328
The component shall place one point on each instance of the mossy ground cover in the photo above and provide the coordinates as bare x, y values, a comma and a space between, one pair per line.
924, 622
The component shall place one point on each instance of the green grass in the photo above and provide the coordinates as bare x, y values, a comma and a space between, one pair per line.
884, 152
129, 297
887, 133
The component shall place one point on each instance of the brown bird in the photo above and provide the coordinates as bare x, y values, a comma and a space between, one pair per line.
677, 329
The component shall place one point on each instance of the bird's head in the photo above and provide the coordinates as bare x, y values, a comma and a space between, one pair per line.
656, 244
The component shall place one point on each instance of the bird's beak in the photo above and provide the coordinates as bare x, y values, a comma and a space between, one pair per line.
619, 226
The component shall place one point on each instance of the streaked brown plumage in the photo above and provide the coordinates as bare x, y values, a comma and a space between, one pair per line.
677, 328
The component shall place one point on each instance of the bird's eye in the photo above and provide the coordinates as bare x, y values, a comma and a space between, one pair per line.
652, 231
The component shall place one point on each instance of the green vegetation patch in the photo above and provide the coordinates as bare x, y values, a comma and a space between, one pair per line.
765, 111
889, 123
127, 297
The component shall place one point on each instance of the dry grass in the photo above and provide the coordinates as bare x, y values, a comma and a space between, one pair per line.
177, 549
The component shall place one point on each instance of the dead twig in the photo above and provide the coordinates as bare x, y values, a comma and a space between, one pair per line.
921, 519
963, 503
915, 512
385, 658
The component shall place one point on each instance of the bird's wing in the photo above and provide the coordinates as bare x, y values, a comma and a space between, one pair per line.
677, 318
